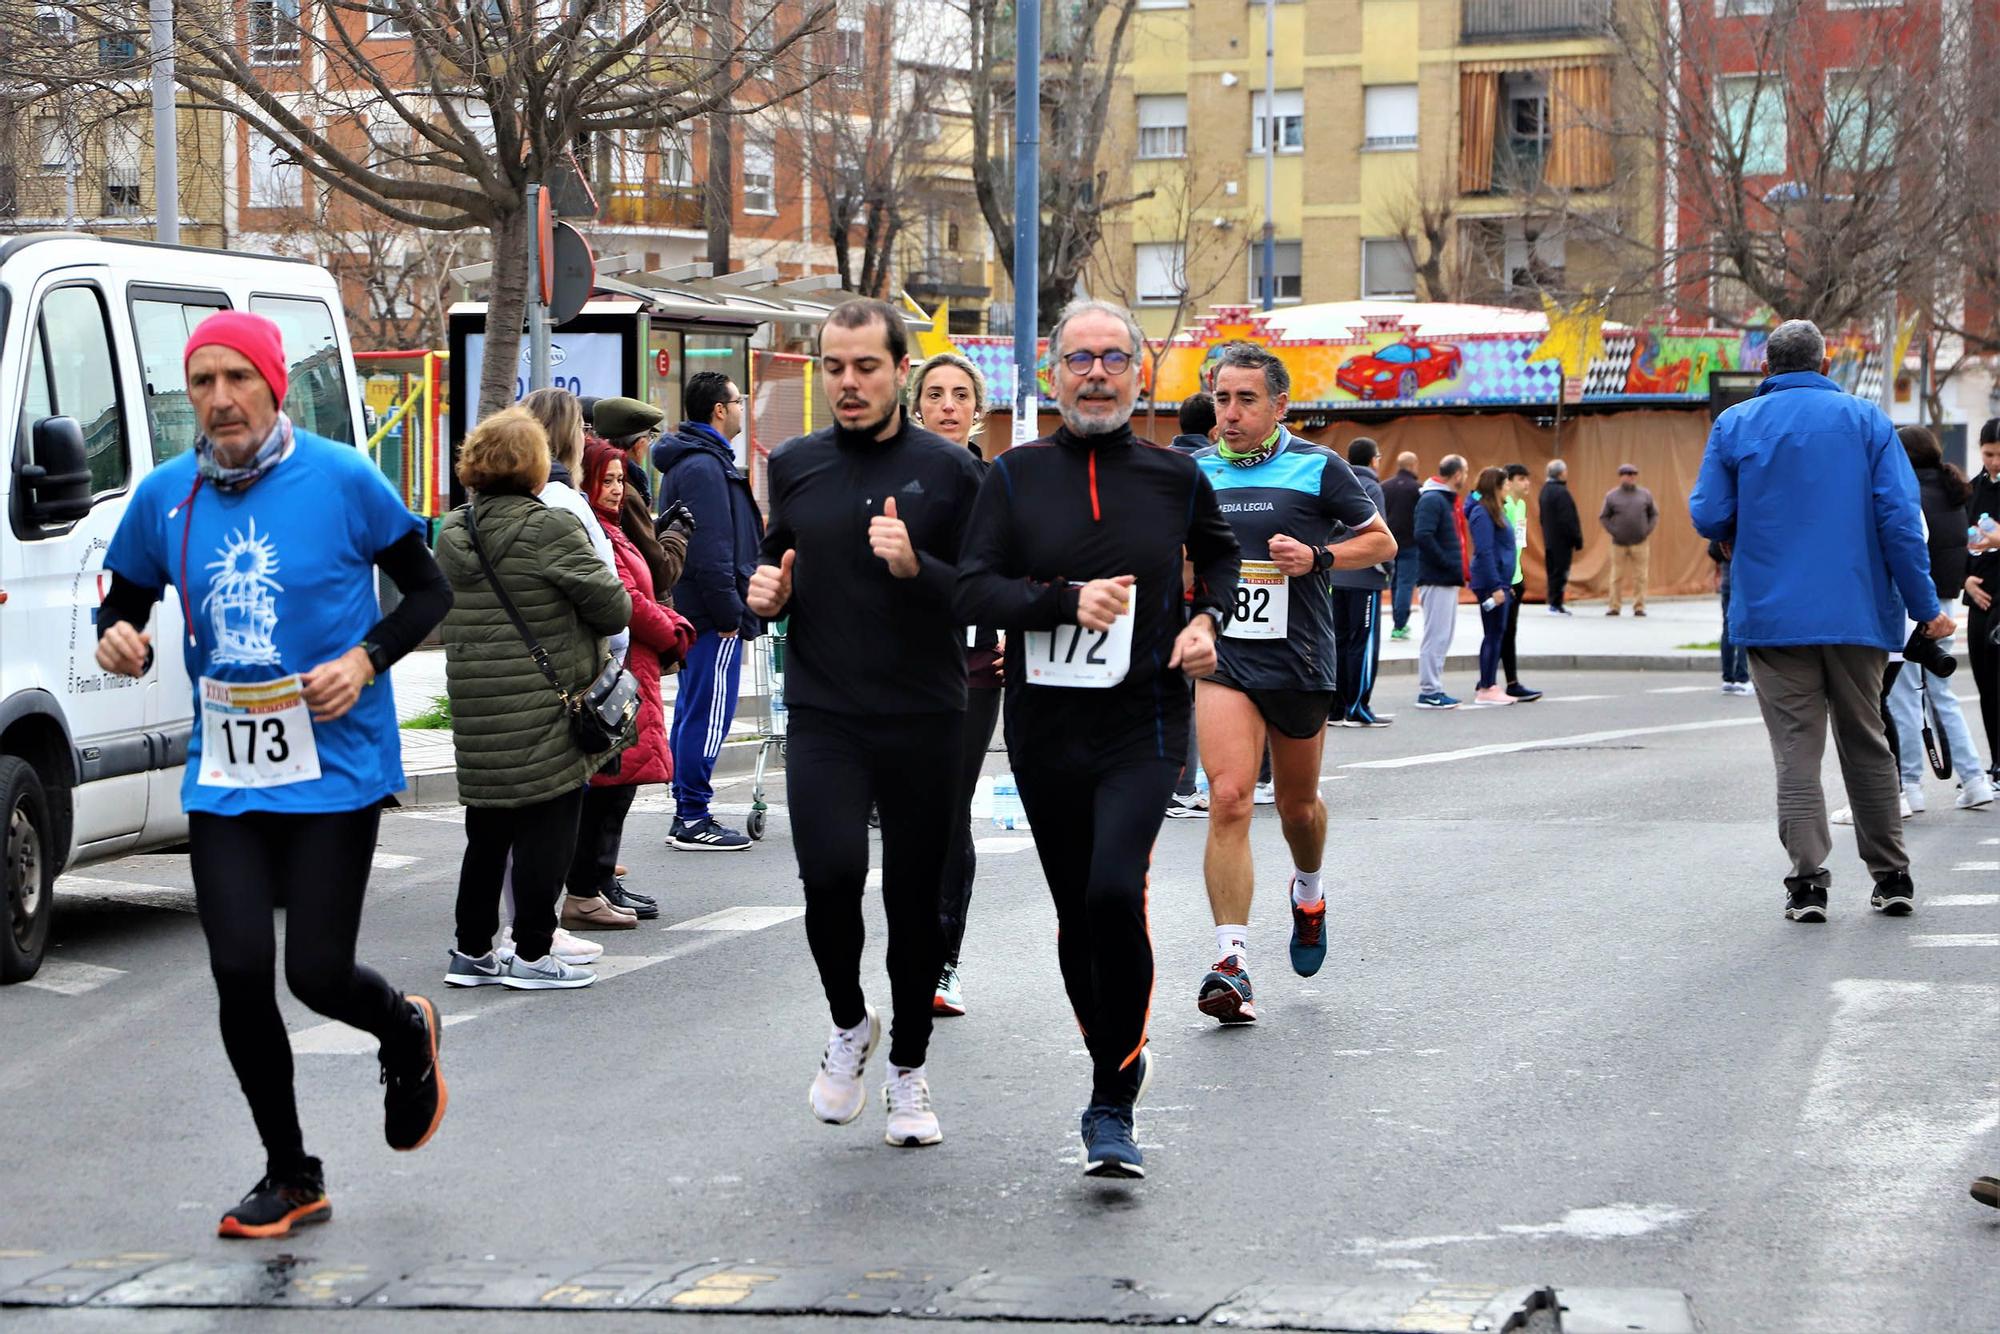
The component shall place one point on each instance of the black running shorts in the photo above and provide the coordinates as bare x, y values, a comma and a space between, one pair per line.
1298, 714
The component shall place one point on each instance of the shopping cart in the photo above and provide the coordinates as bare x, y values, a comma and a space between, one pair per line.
768, 683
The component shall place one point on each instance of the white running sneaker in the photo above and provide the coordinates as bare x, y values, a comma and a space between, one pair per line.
1266, 794
1845, 815
912, 1122
1913, 799
1187, 808
569, 948
837, 1094
1976, 794
547, 973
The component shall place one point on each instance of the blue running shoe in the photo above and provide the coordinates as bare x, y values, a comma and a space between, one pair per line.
1108, 1147
1436, 700
1308, 938
1225, 993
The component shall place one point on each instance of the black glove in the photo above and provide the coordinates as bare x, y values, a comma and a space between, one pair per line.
675, 516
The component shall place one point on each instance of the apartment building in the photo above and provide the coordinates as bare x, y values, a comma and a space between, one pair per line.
1439, 149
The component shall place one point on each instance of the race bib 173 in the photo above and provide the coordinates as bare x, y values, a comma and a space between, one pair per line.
256, 735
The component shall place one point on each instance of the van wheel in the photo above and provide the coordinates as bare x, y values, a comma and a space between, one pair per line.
28, 873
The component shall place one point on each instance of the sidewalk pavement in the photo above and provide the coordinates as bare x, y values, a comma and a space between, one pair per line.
1586, 640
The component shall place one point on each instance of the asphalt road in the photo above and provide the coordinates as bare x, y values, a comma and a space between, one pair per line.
1564, 1036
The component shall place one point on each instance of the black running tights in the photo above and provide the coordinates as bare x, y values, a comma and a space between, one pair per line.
907, 767
1094, 833
316, 866
961, 863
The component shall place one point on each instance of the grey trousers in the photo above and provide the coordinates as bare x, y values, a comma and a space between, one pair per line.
1799, 691
1440, 606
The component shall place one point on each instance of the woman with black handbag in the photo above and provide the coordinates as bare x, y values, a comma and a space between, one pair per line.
536, 710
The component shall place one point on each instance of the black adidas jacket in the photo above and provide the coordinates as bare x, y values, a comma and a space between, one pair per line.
863, 641
1069, 509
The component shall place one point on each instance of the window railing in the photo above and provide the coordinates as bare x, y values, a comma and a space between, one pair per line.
1495, 20
642, 205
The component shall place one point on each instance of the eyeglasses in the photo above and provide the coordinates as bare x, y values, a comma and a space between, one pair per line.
730, 403
1115, 361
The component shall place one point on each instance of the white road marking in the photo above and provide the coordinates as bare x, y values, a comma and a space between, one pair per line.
1974, 940
434, 814
739, 919
1898, 1107
70, 977
391, 861
1977, 866
1962, 901
1683, 690
1543, 743
1003, 845
1607, 1222
1573, 699
1989, 842
334, 1038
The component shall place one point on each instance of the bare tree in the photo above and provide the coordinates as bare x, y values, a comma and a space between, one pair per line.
1797, 182
1203, 241
1426, 220
439, 114
866, 136
1084, 51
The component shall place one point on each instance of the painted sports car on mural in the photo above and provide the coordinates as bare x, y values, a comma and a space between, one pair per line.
1399, 370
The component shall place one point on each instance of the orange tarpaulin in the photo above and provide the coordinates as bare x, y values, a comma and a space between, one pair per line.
1666, 447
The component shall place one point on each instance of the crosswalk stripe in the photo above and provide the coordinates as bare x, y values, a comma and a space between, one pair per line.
739, 919
391, 861
1680, 690
1975, 940
1962, 901
1543, 743
71, 977
334, 1038
1977, 866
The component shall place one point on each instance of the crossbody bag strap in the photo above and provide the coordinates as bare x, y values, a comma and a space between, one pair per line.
535, 649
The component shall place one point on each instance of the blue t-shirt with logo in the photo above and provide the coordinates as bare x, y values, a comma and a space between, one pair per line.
279, 579
1308, 493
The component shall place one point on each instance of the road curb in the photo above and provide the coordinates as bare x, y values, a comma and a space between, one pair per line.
439, 787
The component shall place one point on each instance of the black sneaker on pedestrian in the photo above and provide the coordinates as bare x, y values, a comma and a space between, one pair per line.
1987, 1191
1516, 690
414, 1103
1894, 894
1805, 897
634, 894
708, 836
619, 897
285, 1198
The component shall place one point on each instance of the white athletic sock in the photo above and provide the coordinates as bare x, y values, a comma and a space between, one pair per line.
1305, 887
1232, 940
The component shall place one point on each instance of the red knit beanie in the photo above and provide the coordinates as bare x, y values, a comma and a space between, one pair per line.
252, 335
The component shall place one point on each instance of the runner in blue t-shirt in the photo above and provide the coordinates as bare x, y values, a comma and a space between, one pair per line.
1274, 680
270, 537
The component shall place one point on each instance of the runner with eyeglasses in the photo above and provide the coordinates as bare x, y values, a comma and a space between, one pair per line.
1075, 550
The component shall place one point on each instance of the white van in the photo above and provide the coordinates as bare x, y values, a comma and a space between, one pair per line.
91, 333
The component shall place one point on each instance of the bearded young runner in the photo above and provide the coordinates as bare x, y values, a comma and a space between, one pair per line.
271, 536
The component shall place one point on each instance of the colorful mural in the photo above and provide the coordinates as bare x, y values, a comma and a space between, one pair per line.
1389, 357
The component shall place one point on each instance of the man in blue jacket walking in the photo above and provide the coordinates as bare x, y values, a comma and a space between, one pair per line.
1810, 492
698, 470
1441, 571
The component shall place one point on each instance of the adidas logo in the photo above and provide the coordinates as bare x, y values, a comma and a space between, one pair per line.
915, 488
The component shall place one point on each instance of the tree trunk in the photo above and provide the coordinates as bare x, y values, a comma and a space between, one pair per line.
718, 200
506, 311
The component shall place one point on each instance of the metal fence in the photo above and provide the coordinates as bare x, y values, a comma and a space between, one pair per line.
1493, 20
785, 400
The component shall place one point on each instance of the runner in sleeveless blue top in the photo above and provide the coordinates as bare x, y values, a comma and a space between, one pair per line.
1276, 676
270, 537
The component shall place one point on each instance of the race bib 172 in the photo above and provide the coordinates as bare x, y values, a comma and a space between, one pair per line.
1072, 656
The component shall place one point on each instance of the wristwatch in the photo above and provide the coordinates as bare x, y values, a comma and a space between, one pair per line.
378, 660
1322, 559
1217, 613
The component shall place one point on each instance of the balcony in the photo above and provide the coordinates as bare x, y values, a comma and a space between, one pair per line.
1518, 164
1511, 20
636, 204
944, 277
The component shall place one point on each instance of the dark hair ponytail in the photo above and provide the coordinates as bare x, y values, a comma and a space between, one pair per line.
1925, 452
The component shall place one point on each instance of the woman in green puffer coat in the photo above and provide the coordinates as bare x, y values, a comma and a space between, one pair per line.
520, 777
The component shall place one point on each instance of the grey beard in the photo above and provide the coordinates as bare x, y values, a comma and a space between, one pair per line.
1077, 425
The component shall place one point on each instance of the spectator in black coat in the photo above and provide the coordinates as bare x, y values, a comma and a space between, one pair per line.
1562, 533
1399, 511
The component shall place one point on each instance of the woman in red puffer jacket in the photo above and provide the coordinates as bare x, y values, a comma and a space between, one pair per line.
661, 637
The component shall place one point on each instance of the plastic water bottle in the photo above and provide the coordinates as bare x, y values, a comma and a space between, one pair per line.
1986, 527
1007, 810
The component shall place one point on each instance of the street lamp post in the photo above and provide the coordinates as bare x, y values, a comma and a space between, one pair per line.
166, 149
1027, 208
1268, 288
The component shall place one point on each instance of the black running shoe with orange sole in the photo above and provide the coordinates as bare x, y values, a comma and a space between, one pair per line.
279, 1203
414, 1101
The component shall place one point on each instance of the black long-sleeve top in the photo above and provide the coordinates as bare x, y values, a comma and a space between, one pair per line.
863, 641
1066, 510
1985, 500
408, 563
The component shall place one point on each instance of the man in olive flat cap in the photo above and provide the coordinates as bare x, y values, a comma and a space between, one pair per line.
630, 426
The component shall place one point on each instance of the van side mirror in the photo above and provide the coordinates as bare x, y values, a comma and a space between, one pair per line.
57, 485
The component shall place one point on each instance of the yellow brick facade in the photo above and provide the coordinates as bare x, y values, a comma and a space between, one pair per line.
98, 195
